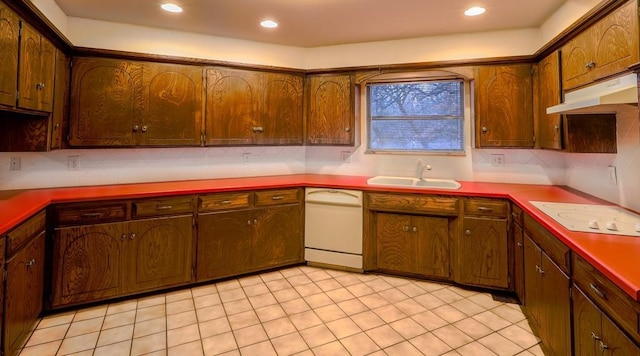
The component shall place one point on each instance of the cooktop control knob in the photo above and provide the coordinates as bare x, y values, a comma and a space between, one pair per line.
638, 227
611, 225
593, 224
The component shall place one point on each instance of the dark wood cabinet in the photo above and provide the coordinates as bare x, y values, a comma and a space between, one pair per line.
36, 72
548, 306
549, 125
413, 244
251, 107
517, 230
594, 333
128, 103
24, 282
9, 47
605, 49
504, 106
332, 106
59, 117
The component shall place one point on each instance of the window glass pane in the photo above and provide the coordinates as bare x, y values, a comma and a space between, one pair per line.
417, 116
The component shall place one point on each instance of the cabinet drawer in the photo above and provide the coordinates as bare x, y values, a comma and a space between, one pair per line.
413, 203
167, 206
226, 201
277, 197
517, 214
609, 297
558, 251
21, 235
90, 214
486, 207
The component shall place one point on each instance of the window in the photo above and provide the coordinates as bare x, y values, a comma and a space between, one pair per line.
418, 116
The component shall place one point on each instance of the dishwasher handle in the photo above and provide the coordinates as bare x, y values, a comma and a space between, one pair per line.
334, 197
333, 191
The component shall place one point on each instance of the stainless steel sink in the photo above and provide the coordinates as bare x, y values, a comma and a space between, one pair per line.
409, 182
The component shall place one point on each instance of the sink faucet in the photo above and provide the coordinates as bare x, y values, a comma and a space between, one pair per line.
421, 169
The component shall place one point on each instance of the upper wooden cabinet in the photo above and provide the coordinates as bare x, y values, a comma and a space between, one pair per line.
549, 125
250, 107
127, 103
607, 48
331, 109
9, 46
504, 106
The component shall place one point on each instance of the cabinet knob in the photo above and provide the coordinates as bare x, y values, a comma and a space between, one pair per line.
484, 129
347, 129
31, 263
123, 237
144, 128
258, 129
133, 236
556, 127
405, 228
603, 346
519, 244
248, 222
467, 232
591, 65
56, 126
415, 229
255, 221
135, 128
594, 336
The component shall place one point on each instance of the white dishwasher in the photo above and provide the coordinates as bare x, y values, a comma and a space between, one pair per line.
333, 227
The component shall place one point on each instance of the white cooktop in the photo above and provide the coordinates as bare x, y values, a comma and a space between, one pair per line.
602, 219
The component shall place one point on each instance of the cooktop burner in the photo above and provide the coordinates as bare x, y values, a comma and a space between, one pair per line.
602, 219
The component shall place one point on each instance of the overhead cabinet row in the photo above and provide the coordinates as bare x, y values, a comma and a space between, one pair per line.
129, 103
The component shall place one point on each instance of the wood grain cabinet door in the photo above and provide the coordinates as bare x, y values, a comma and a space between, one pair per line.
29, 73
393, 242
504, 106
430, 249
532, 281
87, 263
549, 125
232, 115
9, 46
483, 252
587, 329
106, 102
158, 253
577, 55
331, 110
224, 244
277, 236
555, 307
615, 342
24, 293
281, 110
172, 113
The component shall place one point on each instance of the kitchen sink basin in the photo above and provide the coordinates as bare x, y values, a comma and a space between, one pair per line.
409, 182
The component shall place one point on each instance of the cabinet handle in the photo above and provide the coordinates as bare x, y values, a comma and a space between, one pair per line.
144, 128
556, 127
133, 236
591, 65
255, 221
347, 129
258, 129
519, 244
277, 197
123, 237
540, 270
467, 232
135, 128
56, 126
31, 263
597, 291
594, 336
248, 222
406, 229
415, 229
484, 129
91, 215
603, 346
484, 208
225, 202
164, 207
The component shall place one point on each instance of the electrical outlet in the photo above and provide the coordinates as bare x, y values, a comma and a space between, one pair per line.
73, 163
246, 158
497, 159
15, 163
613, 176
345, 156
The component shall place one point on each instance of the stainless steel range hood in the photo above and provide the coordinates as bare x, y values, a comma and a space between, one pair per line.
599, 97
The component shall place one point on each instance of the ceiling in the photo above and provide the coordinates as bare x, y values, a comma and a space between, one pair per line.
314, 23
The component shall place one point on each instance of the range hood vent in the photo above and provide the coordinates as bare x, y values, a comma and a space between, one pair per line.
599, 97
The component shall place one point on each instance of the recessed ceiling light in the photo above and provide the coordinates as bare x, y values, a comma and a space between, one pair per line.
475, 11
171, 7
269, 24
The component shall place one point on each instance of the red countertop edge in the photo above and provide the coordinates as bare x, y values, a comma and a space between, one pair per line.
611, 255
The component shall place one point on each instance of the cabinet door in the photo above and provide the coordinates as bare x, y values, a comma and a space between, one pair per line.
277, 236
9, 45
616, 41
232, 107
576, 56
281, 110
586, 325
224, 244
483, 252
615, 342
504, 106
106, 102
48, 54
532, 281
555, 308
393, 242
549, 130
24, 293
173, 105
61, 104
331, 110
518, 261
159, 253
87, 263
29, 74
430, 250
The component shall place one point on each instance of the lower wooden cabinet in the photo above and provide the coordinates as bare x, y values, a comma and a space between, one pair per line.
483, 252
594, 333
277, 236
547, 289
517, 231
24, 289
413, 244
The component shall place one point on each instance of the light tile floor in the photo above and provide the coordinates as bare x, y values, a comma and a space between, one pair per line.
299, 310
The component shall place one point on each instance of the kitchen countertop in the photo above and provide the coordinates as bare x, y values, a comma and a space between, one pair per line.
614, 256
